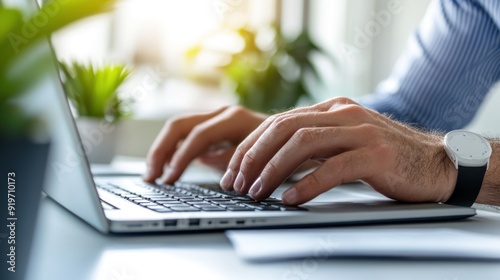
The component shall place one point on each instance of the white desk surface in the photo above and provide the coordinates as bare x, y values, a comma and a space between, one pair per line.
67, 248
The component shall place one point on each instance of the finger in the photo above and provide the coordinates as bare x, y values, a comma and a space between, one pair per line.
229, 177
259, 150
167, 140
345, 167
234, 177
305, 144
232, 125
280, 131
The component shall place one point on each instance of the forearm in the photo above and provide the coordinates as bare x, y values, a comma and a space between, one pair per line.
490, 190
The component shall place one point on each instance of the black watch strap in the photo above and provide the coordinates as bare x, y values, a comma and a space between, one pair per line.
468, 185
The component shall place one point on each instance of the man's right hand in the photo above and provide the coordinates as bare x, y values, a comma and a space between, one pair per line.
211, 137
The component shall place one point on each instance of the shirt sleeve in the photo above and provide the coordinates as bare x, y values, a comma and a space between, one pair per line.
450, 64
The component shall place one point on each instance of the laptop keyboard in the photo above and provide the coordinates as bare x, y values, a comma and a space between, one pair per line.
185, 197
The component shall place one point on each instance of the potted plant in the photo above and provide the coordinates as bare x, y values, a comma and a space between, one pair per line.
269, 77
94, 94
23, 154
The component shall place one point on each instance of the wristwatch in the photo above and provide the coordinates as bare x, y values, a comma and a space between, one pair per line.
470, 153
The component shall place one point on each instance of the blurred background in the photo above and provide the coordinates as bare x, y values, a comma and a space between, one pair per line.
197, 55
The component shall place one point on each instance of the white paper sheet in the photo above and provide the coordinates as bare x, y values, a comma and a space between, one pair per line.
260, 245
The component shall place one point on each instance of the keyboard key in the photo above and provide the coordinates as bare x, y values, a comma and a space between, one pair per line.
268, 208
148, 204
131, 196
277, 203
253, 203
242, 198
185, 209
271, 199
239, 208
230, 202
155, 195
230, 205
202, 203
171, 204
212, 208
156, 207
292, 208
220, 199
163, 210
166, 200
141, 200
208, 197
185, 197
192, 199
118, 192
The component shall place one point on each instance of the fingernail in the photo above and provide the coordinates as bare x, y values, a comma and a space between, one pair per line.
227, 179
239, 182
255, 189
290, 196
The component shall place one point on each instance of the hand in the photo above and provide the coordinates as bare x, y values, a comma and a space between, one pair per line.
211, 137
352, 143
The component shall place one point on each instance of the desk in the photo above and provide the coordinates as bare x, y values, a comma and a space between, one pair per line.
67, 248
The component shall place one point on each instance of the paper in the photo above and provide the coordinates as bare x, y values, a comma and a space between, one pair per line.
260, 245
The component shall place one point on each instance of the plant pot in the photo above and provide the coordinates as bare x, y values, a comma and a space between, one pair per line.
23, 167
99, 139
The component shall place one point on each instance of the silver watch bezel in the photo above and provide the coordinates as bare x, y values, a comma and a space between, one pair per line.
459, 160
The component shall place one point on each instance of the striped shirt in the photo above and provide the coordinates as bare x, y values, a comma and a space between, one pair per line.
450, 64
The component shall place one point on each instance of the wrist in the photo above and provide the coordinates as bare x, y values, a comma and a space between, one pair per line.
446, 173
490, 191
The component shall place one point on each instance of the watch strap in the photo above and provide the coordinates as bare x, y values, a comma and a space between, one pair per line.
469, 181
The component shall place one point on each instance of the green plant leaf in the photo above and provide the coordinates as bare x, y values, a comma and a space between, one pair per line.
25, 74
24, 34
274, 78
94, 91
10, 19
21, 66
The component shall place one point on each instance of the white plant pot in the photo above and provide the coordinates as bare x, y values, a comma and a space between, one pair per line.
99, 139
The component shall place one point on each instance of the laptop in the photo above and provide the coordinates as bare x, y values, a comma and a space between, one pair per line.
126, 204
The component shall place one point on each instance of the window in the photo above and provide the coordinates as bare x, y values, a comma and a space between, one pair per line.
153, 36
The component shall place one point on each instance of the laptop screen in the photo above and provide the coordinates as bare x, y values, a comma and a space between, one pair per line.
68, 177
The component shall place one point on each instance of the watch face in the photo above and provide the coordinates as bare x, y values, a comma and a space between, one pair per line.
468, 145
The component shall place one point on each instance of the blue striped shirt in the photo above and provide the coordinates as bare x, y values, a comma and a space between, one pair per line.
450, 64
